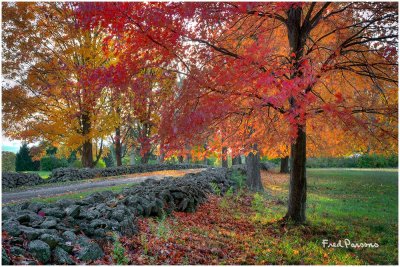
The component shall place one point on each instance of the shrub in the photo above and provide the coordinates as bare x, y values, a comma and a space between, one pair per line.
76, 164
119, 252
258, 205
49, 163
215, 188
101, 164
108, 160
8, 161
24, 162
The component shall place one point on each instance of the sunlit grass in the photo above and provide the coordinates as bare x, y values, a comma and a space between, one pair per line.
358, 204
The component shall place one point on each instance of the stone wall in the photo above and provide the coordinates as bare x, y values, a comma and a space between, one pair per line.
73, 174
14, 179
51, 233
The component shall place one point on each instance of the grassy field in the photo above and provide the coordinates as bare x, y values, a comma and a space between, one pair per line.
358, 204
246, 228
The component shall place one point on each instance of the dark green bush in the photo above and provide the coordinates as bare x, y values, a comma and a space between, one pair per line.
49, 163
8, 161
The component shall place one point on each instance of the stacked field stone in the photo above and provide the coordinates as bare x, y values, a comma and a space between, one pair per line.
52, 233
14, 179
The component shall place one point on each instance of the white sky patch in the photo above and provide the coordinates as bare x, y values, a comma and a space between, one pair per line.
10, 145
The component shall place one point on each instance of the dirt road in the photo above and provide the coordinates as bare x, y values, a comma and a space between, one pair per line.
85, 185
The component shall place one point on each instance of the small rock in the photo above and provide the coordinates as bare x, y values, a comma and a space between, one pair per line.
128, 227
51, 240
72, 211
91, 251
36, 206
65, 202
16, 241
67, 246
40, 250
17, 251
31, 233
5, 260
49, 223
69, 236
118, 215
53, 212
99, 223
12, 228
61, 257
83, 240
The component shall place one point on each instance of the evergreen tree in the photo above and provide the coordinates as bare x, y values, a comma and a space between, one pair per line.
108, 160
24, 162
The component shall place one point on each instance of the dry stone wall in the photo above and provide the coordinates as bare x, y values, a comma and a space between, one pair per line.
65, 232
13, 179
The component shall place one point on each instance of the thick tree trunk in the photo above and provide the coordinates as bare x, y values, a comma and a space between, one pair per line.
180, 159
118, 146
87, 147
297, 35
87, 155
224, 159
145, 158
298, 180
285, 165
253, 181
237, 160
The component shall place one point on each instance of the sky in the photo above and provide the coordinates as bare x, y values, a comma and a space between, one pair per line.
10, 145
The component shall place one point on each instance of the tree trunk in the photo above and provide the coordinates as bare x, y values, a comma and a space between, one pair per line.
297, 35
285, 165
118, 146
180, 159
298, 180
145, 158
188, 158
205, 158
237, 160
162, 157
224, 159
87, 147
253, 180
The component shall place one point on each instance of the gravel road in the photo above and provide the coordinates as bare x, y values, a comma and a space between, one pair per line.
85, 185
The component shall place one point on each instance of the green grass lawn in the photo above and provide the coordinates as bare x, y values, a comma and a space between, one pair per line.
356, 204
